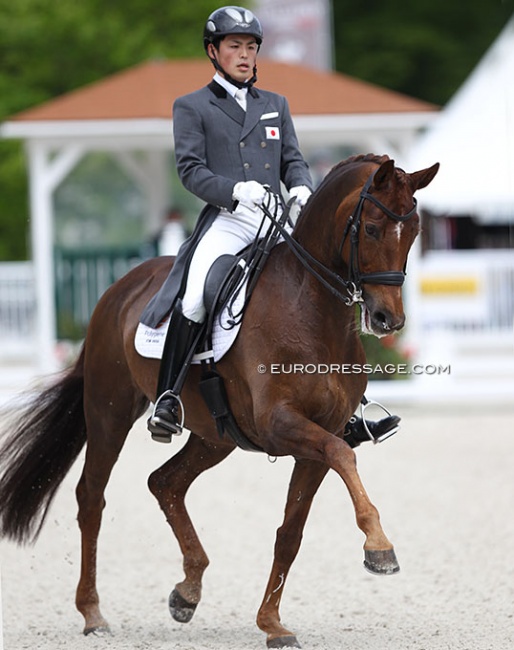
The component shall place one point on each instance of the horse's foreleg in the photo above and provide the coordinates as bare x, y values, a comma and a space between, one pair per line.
317, 444
305, 481
379, 555
169, 484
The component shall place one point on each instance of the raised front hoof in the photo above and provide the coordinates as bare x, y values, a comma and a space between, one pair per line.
98, 630
288, 641
383, 563
180, 610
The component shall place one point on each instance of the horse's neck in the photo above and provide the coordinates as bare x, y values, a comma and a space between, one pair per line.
322, 319
315, 232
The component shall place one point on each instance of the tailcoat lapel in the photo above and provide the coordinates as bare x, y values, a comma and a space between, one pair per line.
228, 105
255, 104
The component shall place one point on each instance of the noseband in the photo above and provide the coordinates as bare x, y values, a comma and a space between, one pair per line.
357, 279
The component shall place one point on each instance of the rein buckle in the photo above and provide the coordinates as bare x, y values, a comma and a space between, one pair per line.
355, 295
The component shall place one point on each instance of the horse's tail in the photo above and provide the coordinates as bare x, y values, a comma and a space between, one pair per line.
37, 453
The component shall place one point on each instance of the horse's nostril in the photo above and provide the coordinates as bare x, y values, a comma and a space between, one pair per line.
387, 322
381, 319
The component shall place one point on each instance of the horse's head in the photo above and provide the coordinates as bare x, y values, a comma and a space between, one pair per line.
378, 235
356, 231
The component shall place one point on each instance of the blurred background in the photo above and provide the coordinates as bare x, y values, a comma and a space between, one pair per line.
88, 187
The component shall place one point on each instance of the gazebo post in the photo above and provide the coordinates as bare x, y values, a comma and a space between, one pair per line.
46, 173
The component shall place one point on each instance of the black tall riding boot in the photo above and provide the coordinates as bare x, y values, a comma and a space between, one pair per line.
357, 430
182, 333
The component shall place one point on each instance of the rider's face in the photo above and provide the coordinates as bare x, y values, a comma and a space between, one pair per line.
237, 55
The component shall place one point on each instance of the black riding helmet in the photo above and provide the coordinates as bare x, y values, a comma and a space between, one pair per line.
231, 20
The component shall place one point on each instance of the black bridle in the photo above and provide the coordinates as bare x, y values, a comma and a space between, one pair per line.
391, 278
353, 285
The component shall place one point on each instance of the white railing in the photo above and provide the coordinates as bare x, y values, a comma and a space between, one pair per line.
17, 308
467, 292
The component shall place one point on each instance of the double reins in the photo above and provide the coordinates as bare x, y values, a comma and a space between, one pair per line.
348, 291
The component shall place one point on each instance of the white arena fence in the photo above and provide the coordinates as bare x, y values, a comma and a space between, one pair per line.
467, 293
17, 308
461, 293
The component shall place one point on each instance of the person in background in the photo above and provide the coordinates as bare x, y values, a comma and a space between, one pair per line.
172, 235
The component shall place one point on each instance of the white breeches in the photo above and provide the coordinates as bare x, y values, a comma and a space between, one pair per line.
229, 233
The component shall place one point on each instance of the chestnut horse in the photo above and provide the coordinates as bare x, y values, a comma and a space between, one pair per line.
350, 245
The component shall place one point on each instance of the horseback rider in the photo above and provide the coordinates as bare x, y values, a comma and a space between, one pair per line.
231, 140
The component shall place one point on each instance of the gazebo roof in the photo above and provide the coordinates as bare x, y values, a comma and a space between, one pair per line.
148, 91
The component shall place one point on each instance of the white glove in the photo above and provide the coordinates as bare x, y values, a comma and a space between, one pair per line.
300, 194
249, 193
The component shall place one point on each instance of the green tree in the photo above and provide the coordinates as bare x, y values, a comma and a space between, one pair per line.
48, 48
14, 212
425, 49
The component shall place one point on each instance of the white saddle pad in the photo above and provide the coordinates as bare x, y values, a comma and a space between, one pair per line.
150, 342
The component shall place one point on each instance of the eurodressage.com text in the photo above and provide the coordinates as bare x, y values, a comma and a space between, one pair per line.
353, 369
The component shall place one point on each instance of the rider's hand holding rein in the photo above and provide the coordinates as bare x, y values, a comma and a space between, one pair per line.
250, 193
300, 194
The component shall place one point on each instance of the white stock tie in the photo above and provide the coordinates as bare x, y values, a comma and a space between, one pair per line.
240, 98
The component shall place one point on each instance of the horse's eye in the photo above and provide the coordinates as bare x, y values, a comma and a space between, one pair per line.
371, 230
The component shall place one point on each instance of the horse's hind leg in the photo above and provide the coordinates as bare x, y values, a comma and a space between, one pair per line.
305, 481
108, 423
169, 484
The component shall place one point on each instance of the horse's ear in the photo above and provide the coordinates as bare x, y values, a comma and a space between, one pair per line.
383, 174
424, 177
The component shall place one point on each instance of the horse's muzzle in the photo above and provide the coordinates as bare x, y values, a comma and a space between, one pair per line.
380, 321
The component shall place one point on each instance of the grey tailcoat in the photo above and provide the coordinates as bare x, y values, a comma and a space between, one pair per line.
218, 144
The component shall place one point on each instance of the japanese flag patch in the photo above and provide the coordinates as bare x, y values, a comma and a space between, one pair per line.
272, 133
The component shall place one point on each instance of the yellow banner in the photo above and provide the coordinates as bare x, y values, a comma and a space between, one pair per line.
444, 285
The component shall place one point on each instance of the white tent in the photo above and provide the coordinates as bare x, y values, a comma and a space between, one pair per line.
473, 139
